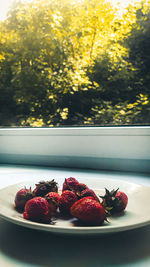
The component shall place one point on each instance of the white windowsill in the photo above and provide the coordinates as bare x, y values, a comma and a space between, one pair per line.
109, 148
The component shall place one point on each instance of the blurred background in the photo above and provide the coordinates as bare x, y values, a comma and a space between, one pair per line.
74, 63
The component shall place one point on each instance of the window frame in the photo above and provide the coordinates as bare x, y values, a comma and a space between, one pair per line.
125, 148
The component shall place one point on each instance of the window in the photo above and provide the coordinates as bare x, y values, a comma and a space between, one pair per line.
75, 63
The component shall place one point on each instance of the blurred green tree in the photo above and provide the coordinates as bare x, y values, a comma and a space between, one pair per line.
74, 63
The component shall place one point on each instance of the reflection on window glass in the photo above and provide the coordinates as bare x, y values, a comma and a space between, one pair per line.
75, 63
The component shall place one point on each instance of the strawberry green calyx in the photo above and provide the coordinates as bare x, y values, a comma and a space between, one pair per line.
114, 201
42, 188
109, 197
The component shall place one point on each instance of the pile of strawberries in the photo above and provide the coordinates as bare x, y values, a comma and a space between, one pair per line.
76, 199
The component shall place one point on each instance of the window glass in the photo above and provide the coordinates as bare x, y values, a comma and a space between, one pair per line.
74, 63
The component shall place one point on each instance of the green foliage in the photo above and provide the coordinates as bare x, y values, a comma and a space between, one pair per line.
74, 63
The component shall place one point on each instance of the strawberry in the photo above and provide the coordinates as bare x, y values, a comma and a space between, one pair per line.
22, 196
70, 184
81, 187
121, 201
37, 210
42, 188
89, 192
88, 210
114, 200
53, 201
67, 199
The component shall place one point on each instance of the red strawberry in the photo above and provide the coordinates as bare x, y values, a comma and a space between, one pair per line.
89, 192
88, 210
37, 210
67, 199
22, 196
121, 201
114, 201
42, 188
70, 184
53, 201
81, 187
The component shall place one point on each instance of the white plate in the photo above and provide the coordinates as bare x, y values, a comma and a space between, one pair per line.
137, 213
